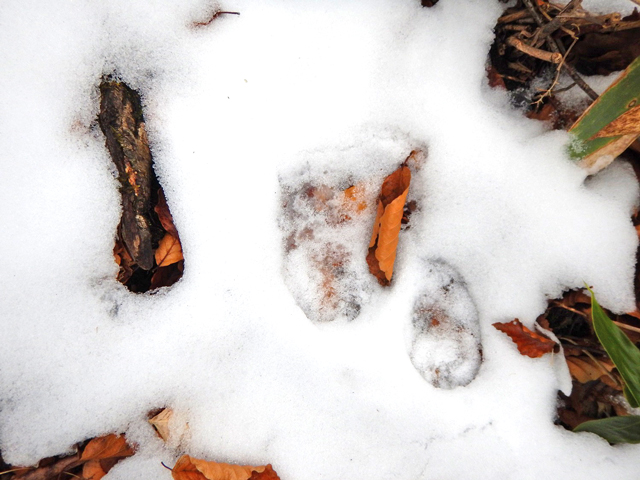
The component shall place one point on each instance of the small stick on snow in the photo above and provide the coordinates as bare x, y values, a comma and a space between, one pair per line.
534, 52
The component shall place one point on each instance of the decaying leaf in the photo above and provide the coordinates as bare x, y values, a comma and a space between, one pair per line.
109, 446
386, 227
585, 369
164, 215
189, 468
160, 423
92, 470
529, 343
169, 251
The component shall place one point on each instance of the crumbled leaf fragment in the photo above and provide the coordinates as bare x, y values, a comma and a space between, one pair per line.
529, 343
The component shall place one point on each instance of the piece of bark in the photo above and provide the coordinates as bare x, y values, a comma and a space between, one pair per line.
122, 123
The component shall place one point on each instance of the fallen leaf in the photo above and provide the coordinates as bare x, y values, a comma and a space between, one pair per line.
160, 423
167, 276
169, 251
189, 468
529, 343
584, 369
164, 215
50, 471
267, 474
386, 228
92, 470
109, 446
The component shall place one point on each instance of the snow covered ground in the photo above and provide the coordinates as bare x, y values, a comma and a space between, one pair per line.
235, 110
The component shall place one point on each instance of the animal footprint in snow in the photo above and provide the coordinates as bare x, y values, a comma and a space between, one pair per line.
324, 222
446, 347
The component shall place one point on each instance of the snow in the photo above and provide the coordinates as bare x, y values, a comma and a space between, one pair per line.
239, 113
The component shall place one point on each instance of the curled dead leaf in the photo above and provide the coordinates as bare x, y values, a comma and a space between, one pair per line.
189, 468
386, 227
160, 423
109, 446
92, 470
169, 251
529, 343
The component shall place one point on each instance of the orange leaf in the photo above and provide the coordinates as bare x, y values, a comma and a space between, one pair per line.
169, 251
188, 468
267, 474
109, 446
92, 470
386, 228
529, 343
584, 370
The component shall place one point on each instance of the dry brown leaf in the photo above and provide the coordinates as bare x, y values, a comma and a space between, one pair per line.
583, 369
160, 423
189, 468
169, 251
167, 276
92, 470
386, 228
164, 215
109, 446
267, 474
529, 343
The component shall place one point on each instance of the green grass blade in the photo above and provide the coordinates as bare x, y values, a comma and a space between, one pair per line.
615, 429
618, 99
624, 354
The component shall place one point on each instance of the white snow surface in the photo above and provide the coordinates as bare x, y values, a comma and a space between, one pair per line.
230, 109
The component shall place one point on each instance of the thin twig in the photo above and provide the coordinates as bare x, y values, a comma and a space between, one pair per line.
213, 17
553, 45
512, 17
555, 80
534, 52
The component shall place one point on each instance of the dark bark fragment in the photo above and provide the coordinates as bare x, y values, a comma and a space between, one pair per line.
122, 123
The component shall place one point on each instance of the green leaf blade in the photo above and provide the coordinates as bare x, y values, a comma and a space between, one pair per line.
615, 429
622, 351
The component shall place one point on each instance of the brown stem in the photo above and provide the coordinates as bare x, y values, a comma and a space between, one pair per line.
553, 46
534, 52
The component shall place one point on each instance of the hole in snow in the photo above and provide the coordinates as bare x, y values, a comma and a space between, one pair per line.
147, 244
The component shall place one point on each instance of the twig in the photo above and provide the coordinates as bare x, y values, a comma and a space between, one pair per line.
512, 17
534, 52
555, 80
553, 45
213, 17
